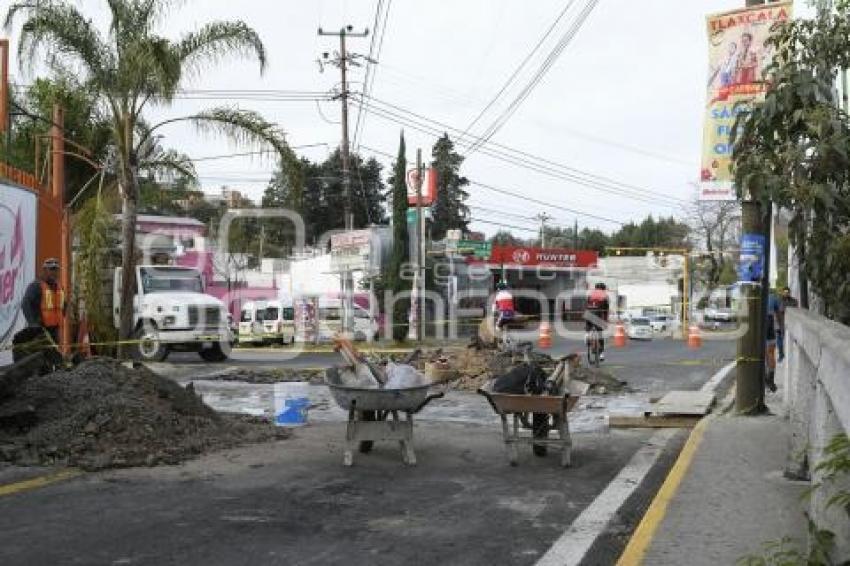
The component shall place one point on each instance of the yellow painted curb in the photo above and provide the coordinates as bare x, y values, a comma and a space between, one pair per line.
38, 482
643, 535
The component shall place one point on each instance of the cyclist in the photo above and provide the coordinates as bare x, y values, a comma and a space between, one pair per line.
597, 306
504, 305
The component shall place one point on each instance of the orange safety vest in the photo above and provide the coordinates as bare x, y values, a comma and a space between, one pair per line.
52, 305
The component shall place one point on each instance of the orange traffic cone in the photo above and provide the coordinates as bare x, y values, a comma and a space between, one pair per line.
545, 339
619, 335
83, 341
694, 338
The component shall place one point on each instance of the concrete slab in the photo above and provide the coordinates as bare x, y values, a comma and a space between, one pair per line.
684, 403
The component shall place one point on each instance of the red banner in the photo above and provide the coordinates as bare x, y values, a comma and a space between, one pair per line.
555, 257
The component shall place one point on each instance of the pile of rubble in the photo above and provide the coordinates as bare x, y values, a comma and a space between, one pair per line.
468, 369
103, 414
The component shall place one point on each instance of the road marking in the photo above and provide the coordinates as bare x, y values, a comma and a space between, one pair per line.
38, 482
642, 538
575, 542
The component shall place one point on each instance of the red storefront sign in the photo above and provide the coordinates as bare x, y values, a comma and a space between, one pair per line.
533, 257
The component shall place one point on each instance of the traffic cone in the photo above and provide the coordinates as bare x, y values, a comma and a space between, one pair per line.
545, 339
83, 341
694, 338
619, 335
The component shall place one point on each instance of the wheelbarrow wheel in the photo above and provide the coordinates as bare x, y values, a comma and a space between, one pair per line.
366, 445
540, 428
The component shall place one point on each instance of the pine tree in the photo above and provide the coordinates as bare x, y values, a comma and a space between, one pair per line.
401, 243
449, 211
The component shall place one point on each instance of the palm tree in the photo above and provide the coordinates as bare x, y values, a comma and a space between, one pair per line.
130, 68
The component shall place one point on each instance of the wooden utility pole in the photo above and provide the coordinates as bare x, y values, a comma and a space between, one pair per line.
57, 190
420, 250
750, 379
342, 61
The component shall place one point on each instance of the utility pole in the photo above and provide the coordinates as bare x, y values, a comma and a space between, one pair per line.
543, 218
420, 249
343, 60
575, 235
750, 380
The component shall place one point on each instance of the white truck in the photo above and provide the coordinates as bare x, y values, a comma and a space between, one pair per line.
171, 312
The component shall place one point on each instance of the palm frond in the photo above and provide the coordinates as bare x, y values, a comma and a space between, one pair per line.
169, 162
244, 127
217, 40
62, 32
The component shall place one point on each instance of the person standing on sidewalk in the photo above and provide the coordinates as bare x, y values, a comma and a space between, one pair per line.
778, 310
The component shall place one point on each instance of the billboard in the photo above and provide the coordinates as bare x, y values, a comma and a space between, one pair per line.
17, 255
737, 59
541, 257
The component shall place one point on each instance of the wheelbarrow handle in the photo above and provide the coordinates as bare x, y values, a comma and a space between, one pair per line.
428, 399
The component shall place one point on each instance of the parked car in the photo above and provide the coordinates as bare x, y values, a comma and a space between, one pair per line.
723, 314
662, 323
639, 328
251, 329
330, 321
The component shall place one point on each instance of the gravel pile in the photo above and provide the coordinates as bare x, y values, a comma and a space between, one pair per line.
103, 414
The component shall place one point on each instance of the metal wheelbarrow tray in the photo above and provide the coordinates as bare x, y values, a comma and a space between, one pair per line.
369, 411
518, 407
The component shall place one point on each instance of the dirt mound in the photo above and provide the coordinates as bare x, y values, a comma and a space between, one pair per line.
102, 414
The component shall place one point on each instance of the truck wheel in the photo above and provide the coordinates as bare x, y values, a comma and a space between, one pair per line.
214, 355
149, 347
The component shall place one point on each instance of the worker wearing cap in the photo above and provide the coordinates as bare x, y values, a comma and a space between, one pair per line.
44, 300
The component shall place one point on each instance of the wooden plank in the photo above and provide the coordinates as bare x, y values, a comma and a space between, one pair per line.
695, 403
652, 421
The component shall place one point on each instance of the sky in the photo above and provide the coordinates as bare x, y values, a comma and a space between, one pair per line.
620, 108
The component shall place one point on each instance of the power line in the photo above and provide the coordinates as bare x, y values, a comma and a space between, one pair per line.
371, 70
519, 68
507, 192
539, 165
501, 224
248, 153
565, 40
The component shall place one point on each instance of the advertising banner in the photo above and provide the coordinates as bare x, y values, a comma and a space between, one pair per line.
17, 256
751, 263
534, 257
738, 57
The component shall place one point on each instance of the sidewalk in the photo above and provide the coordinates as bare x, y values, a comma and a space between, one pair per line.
724, 497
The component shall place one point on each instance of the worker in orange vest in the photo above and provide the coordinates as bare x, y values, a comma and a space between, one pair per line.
44, 300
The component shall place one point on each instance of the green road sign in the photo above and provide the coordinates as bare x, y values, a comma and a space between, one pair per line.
477, 249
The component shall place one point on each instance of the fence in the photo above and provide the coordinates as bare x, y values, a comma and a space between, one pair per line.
817, 396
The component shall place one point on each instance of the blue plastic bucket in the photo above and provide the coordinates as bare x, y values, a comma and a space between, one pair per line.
291, 403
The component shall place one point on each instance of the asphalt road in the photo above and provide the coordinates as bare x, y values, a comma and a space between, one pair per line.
292, 502
654, 366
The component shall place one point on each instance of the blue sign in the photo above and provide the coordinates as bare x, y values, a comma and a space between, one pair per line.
751, 263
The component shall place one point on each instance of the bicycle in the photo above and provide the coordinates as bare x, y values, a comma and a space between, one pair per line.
594, 349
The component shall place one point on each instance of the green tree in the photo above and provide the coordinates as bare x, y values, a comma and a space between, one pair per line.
395, 282
131, 68
505, 238
793, 149
449, 211
84, 124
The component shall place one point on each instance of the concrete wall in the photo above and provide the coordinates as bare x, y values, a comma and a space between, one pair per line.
817, 396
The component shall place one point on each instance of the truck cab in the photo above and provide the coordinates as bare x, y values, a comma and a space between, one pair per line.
171, 312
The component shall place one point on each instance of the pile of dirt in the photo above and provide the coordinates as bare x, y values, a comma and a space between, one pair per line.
103, 414
270, 375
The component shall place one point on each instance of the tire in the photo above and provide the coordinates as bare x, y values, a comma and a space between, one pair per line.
149, 348
216, 354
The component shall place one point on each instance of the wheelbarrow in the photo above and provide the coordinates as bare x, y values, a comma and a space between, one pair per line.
516, 408
369, 412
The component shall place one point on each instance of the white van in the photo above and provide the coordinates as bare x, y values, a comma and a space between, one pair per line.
251, 330
330, 321
279, 322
